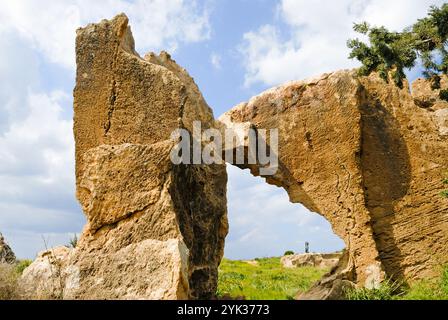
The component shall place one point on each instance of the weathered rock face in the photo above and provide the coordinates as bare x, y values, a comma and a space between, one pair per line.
318, 260
155, 230
366, 156
6, 253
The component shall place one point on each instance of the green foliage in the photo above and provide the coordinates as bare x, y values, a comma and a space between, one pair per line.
268, 280
73, 242
22, 265
288, 253
388, 290
443, 94
429, 289
389, 53
265, 279
9, 289
436, 289
444, 193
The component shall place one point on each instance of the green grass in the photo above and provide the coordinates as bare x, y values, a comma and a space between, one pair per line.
436, 289
388, 290
267, 280
429, 289
22, 265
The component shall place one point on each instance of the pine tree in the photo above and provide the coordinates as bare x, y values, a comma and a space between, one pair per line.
390, 53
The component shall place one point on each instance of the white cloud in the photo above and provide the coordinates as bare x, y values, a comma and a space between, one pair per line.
318, 31
37, 170
37, 184
263, 222
50, 25
215, 60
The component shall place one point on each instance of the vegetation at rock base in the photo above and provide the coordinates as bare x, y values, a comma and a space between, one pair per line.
429, 289
389, 52
265, 280
444, 193
22, 265
9, 276
436, 289
73, 242
268, 280
8, 282
388, 290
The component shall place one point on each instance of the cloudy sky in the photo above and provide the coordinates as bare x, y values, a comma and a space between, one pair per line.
234, 50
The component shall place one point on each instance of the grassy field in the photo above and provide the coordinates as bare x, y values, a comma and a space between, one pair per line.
435, 289
264, 278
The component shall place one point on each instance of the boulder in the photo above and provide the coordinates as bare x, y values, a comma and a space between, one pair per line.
317, 260
6, 253
45, 278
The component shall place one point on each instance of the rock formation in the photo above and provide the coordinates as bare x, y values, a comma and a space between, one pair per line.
370, 159
364, 154
155, 230
318, 260
6, 253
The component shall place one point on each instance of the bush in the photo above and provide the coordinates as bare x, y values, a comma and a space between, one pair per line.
22, 265
288, 253
9, 289
444, 193
73, 242
388, 290
430, 289
443, 94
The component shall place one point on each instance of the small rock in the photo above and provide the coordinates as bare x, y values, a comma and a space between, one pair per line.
311, 260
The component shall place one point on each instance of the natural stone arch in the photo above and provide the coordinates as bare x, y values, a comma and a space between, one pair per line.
358, 151
319, 159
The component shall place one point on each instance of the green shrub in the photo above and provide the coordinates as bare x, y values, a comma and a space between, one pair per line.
73, 242
435, 289
388, 290
389, 52
22, 265
443, 94
288, 253
9, 289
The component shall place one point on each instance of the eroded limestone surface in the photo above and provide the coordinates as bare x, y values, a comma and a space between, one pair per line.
154, 230
370, 159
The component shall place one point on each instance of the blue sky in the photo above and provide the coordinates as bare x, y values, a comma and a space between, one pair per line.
234, 50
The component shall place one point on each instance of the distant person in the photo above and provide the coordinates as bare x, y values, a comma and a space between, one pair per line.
307, 247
